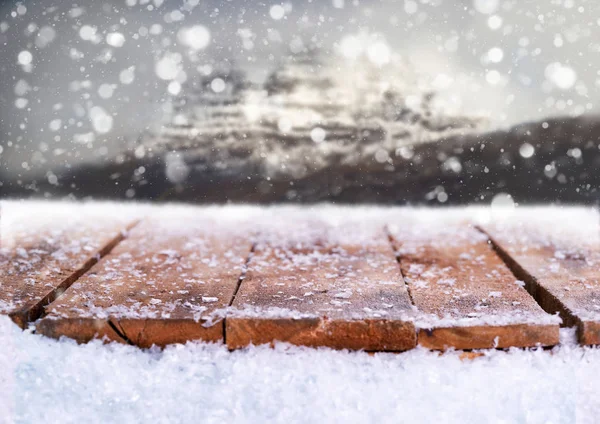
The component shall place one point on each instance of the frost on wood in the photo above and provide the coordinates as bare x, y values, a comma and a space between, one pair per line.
319, 276
159, 286
557, 253
466, 294
342, 280
45, 246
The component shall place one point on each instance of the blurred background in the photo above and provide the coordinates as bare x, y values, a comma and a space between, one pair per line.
407, 101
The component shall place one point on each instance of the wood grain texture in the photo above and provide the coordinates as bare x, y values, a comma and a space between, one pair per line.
468, 297
323, 285
159, 286
557, 254
489, 336
140, 332
323, 276
46, 247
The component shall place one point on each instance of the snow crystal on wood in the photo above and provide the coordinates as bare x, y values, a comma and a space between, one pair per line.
467, 296
341, 278
45, 246
159, 285
557, 253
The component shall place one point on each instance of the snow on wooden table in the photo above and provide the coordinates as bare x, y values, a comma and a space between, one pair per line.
316, 284
468, 297
557, 254
45, 247
313, 276
159, 286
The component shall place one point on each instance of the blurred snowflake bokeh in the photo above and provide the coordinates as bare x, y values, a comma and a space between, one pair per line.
99, 82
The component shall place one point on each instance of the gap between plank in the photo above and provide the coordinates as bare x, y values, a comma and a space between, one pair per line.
399, 260
237, 288
116, 327
37, 311
540, 294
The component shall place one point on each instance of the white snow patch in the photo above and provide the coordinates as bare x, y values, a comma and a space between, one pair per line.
43, 380
429, 321
266, 313
568, 336
209, 299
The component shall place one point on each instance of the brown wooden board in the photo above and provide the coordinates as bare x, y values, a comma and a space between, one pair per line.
557, 253
316, 283
467, 296
46, 246
164, 284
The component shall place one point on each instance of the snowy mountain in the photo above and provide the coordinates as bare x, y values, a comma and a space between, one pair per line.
321, 128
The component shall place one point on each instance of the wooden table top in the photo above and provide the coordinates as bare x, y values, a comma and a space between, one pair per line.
361, 278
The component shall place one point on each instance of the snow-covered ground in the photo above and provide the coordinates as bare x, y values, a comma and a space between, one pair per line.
43, 380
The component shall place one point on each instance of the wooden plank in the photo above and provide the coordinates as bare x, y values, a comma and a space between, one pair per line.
159, 286
46, 246
468, 297
316, 283
557, 253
